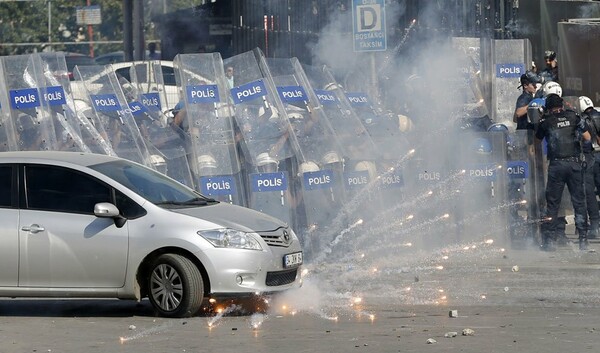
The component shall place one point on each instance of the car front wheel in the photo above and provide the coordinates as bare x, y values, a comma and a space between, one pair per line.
175, 286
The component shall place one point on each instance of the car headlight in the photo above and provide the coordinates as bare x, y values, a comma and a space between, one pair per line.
231, 238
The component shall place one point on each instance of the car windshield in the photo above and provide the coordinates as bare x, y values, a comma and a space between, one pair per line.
151, 185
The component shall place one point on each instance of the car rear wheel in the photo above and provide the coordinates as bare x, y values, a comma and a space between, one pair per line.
175, 286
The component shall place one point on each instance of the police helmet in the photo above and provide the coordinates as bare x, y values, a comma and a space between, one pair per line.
331, 157
552, 87
585, 103
497, 127
531, 77
549, 55
332, 86
538, 103
295, 115
206, 161
535, 109
483, 146
266, 163
308, 166
159, 163
368, 167
404, 123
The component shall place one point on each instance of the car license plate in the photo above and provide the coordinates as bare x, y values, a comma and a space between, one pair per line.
291, 260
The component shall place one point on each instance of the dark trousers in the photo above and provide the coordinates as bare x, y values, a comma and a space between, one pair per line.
561, 173
596, 171
590, 190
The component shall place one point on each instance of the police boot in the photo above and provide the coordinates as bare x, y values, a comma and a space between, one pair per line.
561, 232
593, 231
547, 243
583, 242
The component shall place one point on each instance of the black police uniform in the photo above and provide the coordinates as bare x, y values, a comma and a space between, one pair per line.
592, 178
562, 131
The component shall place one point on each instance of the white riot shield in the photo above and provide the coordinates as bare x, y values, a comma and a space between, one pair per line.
167, 147
73, 131
318, 184
268, 147
214, 158
32, 123
109, 106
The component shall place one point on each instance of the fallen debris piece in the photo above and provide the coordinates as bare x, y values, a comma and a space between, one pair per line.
431, 341
453, 313
468, 332
450, 334
515, 268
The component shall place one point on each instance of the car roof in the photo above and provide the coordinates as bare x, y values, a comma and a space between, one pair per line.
78, 158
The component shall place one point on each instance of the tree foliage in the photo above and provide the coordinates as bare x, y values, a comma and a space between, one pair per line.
24, 24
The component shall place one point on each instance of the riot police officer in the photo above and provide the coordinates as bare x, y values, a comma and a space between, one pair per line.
550, 72
529, 81
563, 130
592, 158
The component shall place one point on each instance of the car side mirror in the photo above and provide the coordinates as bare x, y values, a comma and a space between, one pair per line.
108, 210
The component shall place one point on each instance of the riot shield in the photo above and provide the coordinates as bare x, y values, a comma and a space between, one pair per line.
74, 132
480, 207
359, 151
317, 187
8, 136
266, 143
214, 158
525, 187
149, 80
109, 106
393, 148
32, 123
167, 145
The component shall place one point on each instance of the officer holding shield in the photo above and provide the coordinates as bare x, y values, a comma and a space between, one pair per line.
529, 81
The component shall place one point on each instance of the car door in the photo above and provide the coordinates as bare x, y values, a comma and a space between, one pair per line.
62, 243
9, 223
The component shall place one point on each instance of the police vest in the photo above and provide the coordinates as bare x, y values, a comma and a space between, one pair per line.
562, 137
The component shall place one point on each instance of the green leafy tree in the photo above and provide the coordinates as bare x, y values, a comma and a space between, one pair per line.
24, 24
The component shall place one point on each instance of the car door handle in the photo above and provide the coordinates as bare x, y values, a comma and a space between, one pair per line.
34, 228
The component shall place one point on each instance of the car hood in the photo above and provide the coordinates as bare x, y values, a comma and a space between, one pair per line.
235, 217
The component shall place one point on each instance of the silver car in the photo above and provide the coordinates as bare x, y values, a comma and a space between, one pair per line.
87, 225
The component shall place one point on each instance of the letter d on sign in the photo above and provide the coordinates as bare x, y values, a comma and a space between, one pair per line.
368, 18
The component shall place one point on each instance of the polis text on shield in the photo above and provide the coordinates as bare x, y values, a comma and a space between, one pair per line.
252, 91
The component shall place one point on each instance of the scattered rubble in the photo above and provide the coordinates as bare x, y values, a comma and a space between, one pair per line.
468, 332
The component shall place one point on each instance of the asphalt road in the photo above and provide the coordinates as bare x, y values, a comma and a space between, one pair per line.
512, 300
